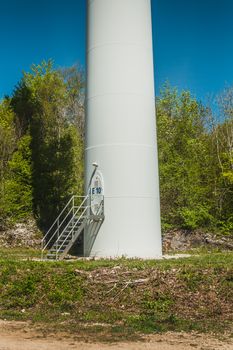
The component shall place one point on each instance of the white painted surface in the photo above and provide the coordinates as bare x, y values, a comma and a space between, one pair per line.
120, 128
96, 192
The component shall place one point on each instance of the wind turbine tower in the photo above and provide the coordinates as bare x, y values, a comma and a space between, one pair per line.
121, 131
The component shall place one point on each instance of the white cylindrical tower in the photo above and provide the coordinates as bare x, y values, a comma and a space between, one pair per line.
120, 129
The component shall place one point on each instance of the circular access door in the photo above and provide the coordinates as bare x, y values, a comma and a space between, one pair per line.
97, 193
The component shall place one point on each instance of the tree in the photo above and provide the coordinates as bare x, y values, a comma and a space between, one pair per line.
56, 143
74, 79
7, 146
183, 159
18, 185
15, 165
222, 140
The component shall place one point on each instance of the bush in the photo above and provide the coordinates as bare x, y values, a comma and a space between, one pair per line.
192, 219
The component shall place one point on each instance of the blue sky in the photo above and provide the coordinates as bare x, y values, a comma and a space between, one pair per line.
193, 40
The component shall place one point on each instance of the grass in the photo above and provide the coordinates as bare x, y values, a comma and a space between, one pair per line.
118, 298
19, 253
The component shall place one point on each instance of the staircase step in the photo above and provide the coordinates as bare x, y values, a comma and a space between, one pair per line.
54, 250
63, 244
50, 254
64, 238
68, 234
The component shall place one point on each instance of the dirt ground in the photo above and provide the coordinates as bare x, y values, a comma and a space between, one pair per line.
20, 336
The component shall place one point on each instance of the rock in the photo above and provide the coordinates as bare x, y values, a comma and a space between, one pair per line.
183, 240
24, 234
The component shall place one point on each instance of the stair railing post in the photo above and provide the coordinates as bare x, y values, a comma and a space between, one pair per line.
58, 227
73, 219
89, 202
42, 249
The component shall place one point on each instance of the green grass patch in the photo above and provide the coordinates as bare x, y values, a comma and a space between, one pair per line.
122, 297
19, 253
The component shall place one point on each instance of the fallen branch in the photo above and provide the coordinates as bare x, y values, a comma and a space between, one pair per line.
141, 280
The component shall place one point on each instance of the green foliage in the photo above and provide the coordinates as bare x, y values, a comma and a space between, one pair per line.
43, 165
226, 226
192, 219
196, 163
57, 150
18, 186
42, 151
222, 141
183, 159
159, 306
7, 145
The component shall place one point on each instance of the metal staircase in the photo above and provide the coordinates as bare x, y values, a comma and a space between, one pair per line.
68, 226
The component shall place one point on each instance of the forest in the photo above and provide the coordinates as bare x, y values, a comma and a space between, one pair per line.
42, 152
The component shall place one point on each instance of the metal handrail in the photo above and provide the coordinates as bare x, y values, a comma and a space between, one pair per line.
57, 219
57, 222
74, 215
62, 222
68, 223
70, 233
72, 230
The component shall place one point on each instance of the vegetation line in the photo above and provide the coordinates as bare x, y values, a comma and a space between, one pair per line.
42, 151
